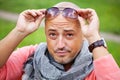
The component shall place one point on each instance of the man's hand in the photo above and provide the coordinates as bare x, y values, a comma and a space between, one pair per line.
90, 28
89, 24
30, 20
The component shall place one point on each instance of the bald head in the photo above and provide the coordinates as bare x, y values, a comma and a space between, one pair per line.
67, 4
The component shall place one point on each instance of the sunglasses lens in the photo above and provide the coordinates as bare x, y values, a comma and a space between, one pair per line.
70, 13
66, 12
52, 12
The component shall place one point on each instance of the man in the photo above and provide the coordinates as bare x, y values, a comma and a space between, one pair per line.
70, 31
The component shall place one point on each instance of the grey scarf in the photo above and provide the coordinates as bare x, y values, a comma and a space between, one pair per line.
41, 66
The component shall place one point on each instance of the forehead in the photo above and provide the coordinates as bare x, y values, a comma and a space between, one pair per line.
61, 27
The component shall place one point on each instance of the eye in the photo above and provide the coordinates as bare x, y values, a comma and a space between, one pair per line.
52, 35
69, 35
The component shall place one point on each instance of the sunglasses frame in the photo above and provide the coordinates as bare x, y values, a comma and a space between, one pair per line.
63, 11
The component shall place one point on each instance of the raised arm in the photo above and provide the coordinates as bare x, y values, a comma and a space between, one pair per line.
27, 23
105, 67
90, 30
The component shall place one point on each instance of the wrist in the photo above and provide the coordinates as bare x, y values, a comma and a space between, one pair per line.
93, 38
19, 33
96, 44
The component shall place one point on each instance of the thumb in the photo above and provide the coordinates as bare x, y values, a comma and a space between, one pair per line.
83, 25
82, 21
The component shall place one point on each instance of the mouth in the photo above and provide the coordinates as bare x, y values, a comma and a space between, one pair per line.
61, 53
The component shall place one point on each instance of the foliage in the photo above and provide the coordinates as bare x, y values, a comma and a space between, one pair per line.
108, 10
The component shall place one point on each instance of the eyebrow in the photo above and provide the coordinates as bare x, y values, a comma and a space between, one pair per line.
51, 30
68, 30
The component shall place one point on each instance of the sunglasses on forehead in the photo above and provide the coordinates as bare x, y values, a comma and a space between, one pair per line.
66, 12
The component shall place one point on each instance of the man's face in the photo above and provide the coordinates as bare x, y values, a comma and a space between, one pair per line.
64, 39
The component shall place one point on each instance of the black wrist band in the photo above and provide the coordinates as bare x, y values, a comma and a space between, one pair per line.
96, 44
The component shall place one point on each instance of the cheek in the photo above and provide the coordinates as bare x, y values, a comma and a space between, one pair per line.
75, 45
76, 42
51, 45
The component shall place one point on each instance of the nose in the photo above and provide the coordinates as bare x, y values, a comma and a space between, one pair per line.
60, 43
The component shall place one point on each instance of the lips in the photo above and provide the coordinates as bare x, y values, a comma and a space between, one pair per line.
61, 53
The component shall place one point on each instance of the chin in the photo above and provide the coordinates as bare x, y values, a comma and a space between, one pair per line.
63, 60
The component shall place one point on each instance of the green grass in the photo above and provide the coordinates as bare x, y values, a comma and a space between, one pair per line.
35, 38
108, 10
39, 36
5, 27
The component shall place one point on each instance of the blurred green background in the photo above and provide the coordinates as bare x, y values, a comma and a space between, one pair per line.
107, 10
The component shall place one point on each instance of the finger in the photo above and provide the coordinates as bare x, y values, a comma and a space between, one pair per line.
28, 17
94, 17
40, 12
82, 21
82, 12
88, 14
39, 19
31, 12
85, 13
92, 13
41, 15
